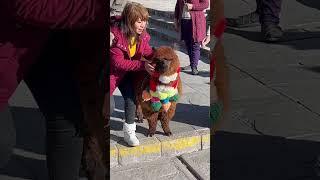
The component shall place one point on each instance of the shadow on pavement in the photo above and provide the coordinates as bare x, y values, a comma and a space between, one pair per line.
291, 38
315, 69
21, 167
191, 114
201, 73
252, 157
250, 35
310, 3
117, 126
30, 129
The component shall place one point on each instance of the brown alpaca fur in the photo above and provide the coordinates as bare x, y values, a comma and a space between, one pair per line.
94, 159
144, 107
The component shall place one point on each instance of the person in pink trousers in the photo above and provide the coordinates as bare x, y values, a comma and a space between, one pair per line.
190, 21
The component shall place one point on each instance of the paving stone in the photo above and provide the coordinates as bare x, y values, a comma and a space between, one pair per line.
165, 168
199, 163
113, 155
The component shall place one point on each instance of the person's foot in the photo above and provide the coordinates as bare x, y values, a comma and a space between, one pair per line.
186, 68
194, 71
271, 32
247, 20
130, 137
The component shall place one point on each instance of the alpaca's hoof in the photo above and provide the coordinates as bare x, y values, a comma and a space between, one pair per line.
150, 134
139, 120
168, 133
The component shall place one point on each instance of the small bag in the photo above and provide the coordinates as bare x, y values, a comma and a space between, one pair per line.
185, 12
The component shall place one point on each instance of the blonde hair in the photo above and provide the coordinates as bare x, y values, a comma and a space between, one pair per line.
131, 13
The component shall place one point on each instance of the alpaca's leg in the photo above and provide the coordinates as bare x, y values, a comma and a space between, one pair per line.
166, 118
152, 120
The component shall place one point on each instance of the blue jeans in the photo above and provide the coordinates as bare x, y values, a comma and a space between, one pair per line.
127, 91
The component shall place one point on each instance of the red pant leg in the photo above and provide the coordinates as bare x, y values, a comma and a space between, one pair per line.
212, 67
9, 66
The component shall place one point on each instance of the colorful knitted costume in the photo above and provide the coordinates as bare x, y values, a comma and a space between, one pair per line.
216, 106
162, 91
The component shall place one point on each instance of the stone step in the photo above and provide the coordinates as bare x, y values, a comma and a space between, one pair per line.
161, 25
172, 38
163, 14
164, 34
166, 14
163, 22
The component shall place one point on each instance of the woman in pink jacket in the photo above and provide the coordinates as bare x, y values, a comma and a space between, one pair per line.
129, 46
191, 20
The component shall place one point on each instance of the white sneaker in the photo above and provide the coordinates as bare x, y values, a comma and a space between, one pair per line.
130, 137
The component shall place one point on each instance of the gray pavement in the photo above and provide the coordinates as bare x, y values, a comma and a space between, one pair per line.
274, 125
187, 167
276, 85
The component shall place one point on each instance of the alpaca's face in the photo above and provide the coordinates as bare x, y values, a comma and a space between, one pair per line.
165, 60
161, 65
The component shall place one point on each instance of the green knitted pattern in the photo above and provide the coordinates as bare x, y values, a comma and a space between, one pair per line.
216, 111
175, 98
156, 106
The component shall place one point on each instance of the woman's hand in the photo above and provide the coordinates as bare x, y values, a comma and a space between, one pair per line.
149, 68
190, 6
205, 41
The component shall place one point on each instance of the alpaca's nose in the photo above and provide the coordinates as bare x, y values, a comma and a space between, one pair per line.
162, 66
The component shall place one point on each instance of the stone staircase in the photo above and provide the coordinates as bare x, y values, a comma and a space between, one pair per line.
161, 28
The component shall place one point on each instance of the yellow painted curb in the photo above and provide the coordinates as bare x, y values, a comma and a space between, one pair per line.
161, 146
206, 138
113, 152
147, 146
181, 143
140, 150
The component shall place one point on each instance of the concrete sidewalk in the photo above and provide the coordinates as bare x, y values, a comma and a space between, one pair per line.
275, 116
190, 166
275, 85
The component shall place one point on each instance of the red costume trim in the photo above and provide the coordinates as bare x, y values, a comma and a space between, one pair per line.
154, 81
